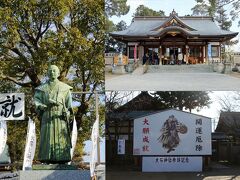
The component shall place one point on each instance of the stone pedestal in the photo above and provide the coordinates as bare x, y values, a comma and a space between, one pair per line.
227, 68
220, 68
214, 67
119, 69
55, 174
100, 171
53, 167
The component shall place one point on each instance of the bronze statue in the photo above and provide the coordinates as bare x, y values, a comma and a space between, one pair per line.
53, 103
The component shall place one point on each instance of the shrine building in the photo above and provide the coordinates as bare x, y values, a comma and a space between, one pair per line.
171, 39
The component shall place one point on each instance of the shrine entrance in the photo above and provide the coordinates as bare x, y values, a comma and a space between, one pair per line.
173, 55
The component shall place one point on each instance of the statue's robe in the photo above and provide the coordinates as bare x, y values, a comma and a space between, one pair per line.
55, 141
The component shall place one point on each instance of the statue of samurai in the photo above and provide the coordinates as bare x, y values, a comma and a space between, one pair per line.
53, 103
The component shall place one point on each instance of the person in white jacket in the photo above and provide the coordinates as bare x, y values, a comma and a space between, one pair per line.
180, 58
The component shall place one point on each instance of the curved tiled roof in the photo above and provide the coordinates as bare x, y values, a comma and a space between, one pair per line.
148, 26
229, 123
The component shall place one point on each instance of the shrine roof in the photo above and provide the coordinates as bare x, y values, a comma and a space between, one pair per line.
191, 25
229, 123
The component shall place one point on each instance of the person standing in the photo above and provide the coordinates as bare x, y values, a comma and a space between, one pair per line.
180, 58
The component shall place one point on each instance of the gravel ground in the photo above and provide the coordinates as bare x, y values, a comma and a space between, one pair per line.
174, 82
215, 173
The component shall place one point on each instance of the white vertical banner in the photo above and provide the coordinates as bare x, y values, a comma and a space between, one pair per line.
121, 146
74, 136
94, 138
209, 51
30, 146
3, 135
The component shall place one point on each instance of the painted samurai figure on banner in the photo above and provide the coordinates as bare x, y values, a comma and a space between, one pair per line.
169, 133
53, 103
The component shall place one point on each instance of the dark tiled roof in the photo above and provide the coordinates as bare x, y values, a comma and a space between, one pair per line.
219, 136
142, 102
229, 123
123, 116
146, 26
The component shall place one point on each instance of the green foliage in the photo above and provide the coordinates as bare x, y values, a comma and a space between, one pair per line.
200, 9
216, 10
235, 11
111, 45
183, 99
17, 131
113, 8
7, 87
145, 11
222, 19
109, 41
212, 7
221, 16
121, 26
116, 7
158, 100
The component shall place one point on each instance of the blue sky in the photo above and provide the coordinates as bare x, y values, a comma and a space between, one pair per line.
182, 7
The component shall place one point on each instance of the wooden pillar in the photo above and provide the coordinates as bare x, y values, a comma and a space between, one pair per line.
206, 50
204, 54
160, 55
187, 54
130, 142
135, 53
220, 51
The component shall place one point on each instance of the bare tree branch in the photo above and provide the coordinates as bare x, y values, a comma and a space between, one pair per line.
16, 51
27, 84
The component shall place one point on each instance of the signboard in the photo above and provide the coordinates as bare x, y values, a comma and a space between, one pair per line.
172, 164
121, 146
172, 132
12, 106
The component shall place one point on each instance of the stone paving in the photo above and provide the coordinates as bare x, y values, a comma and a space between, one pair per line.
9, 175
55, 174
215, 173
173, 82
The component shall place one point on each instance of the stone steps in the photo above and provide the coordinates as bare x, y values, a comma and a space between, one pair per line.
196, 68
